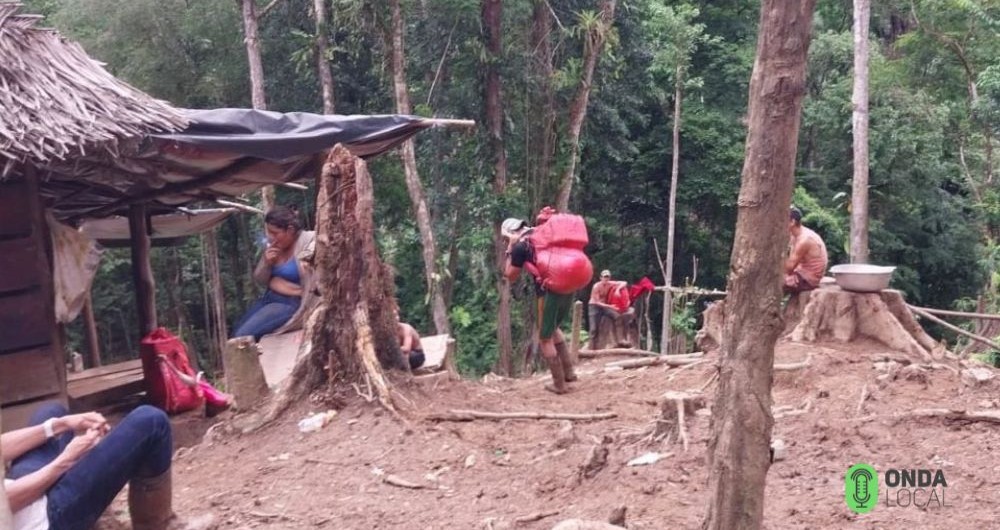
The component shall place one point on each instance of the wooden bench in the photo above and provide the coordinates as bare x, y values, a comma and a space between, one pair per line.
439, 360
94, 387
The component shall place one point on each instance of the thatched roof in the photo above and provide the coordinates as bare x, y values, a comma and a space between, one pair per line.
57, 103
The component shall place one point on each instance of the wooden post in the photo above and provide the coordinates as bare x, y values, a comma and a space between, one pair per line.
244, 375
574, 339
90, 327
142, 271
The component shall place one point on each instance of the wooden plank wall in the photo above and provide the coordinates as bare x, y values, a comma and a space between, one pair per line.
32, 361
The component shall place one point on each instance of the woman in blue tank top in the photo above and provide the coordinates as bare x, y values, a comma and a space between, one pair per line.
281, 271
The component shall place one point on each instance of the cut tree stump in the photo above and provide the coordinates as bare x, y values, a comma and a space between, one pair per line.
244, 375
674, 408
833, 314
709, 337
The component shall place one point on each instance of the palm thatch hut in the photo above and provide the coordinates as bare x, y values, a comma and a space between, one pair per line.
61, 114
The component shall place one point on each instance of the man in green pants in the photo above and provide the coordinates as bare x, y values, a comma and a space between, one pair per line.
553, 308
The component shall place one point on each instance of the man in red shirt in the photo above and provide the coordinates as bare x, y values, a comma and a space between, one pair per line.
600, 305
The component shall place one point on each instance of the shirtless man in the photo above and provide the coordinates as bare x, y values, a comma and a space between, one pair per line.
409, 344
598, 307
806, 263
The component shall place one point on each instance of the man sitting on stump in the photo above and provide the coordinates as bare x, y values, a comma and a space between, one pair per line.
601, 305
807, 260
409, 345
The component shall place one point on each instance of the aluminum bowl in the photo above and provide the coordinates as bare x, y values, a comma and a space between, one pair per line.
862, 278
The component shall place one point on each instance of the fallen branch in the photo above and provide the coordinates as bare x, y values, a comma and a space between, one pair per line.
670, 360
609, 352
692, 290
393, 480
782, 412
861, 402
793, 366
963, 314
978, 338
469, 415
538, 516
714, 376
674, 373
988, 416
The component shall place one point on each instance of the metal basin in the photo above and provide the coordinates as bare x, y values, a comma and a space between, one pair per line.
862, 278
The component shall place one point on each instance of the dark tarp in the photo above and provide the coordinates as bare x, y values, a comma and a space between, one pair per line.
279, 136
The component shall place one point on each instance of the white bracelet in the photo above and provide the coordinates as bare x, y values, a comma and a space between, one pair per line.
47, 426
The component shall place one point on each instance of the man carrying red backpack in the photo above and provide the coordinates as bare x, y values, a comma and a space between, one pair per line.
553, 254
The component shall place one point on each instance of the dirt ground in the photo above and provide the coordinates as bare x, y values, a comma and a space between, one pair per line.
487, 474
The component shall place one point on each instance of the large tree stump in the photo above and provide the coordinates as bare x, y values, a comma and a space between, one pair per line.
713, 319
244, 375
352, 333
626, 329
834, 314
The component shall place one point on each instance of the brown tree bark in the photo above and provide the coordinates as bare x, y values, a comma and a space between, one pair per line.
439, 311
492, 15
251, 40
541, 42
738, 452
218, 332
594, 42
859, 127
322, 61
352, 333
668, 266
142, 272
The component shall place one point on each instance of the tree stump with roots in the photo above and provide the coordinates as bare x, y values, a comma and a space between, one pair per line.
833, 314
351, 334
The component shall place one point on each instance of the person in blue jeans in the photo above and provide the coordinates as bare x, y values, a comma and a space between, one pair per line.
284, 270
67, 468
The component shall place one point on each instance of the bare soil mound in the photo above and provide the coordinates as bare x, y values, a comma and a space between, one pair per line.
369, 470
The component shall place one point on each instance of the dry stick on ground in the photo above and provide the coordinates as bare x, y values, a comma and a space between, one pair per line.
469, 415
670, 360
688, 366
618, 351
988, 416
956, 329
538, 516
781, 413
393, 480
793, 366
861, 402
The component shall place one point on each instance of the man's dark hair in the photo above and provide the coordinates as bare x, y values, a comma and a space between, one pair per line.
795, 215
284, 217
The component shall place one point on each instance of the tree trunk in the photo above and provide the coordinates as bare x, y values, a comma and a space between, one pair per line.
492, 15
322, 61
244, 375
175, 296
352, 332
6, 518
541, 42
142, 272
413, 184
593, 47
218, 332
251, 40
668, 268
859, 126
738, 452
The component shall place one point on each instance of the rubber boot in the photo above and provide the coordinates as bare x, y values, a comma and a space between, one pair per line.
149, 506
558, 385
569, 374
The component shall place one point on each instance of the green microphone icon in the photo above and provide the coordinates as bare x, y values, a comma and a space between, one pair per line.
861, 488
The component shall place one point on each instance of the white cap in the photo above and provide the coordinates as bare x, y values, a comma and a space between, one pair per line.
511, 226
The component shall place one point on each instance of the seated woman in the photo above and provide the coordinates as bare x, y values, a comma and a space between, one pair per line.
283, 270
68, 468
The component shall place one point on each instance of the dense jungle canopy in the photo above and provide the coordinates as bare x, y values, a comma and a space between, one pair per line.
934, 107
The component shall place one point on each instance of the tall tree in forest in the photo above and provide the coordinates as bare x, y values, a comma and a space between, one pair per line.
738, 451
322, 60
252, 41
492, 17
675, 37
439, 311
544, 132
859, 128
596, 28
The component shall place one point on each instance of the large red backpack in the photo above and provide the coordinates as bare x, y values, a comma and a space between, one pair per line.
171, 383
559, 259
